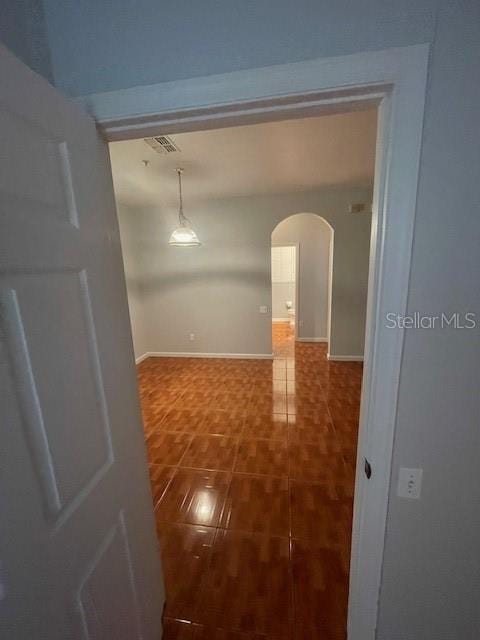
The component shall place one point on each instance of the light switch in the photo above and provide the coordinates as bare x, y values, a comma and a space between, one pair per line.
409, 483
263, 308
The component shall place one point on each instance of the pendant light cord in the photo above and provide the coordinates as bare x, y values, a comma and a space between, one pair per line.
181, 216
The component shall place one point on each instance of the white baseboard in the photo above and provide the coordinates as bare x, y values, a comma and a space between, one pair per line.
311, 339
274, 320
344, 358
195, 354
141, 358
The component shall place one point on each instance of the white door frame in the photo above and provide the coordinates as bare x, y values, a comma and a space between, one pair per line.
297, 272
331, 248
395, 80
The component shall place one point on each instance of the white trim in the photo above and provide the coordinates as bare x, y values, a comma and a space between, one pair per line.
297, 288
142, 357
394, 79
264, 93
344, 358
196, 354
281, 320
311, 339
331, 248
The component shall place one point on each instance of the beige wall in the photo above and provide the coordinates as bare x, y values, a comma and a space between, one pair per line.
215, 291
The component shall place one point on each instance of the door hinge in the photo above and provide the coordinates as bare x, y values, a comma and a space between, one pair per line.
368, 469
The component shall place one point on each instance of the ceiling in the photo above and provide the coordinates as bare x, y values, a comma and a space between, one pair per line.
268, 158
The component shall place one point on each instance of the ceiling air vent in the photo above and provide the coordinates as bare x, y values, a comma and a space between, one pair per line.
162, 144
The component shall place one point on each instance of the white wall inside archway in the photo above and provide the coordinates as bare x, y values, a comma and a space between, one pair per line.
312, 235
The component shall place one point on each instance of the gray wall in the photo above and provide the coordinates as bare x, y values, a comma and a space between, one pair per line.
130, 234
99, 45
430, 577
431, 584
313, 236
215, 290
23, 31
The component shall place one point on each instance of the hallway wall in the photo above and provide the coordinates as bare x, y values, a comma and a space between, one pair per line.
100, 45
23, 30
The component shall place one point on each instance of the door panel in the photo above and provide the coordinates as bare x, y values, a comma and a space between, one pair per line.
51, 184
112, 556
78, 551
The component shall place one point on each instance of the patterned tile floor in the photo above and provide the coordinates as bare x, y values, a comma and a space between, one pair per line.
252, 472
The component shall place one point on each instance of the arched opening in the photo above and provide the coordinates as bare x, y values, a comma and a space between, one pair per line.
302, 267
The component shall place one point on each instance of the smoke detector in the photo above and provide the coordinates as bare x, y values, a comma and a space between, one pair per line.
162, 144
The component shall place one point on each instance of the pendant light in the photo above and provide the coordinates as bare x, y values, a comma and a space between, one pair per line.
184, 235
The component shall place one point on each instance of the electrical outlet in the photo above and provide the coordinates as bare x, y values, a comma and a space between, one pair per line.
357, 207
263, 308
192, 337
409, 483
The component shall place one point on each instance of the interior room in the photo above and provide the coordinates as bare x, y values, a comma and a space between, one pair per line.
249, 399
240, 185
249, 345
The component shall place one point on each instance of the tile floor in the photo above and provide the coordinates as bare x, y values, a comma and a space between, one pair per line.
252, 473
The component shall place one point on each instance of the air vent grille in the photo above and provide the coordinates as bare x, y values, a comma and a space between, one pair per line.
162, 144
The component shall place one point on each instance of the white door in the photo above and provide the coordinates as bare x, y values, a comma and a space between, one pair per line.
78, 553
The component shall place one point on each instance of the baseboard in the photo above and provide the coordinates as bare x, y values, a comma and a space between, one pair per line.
274, 320
141, 358
195, 354
311, 339
344, 358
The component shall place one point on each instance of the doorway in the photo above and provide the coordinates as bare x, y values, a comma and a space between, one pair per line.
396, 82
225, 423
284, 270
372, 78
310, 240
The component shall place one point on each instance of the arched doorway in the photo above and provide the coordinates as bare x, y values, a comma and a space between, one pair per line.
302, 261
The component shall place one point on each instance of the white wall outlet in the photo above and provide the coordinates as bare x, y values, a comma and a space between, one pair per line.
263, 308
409, 483
192, 337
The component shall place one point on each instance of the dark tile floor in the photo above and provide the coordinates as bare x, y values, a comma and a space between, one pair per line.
252, 473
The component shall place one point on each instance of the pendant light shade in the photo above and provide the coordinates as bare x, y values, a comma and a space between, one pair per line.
183, 235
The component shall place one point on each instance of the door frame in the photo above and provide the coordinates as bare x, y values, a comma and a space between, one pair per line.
297, 271
331, 247
395, 80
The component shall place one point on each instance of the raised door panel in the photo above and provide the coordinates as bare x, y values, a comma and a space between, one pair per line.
109, 579
49, 187
61, 399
